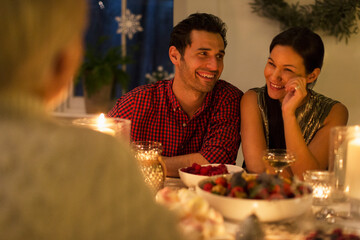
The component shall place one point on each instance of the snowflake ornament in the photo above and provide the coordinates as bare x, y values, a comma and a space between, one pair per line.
129, 24
101, 5
158, 75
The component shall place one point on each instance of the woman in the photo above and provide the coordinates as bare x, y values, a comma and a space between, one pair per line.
286, 113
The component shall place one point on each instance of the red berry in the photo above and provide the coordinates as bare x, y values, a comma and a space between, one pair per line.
221, 181
276, 196
222, 169
251, 184
353, 236
208, 186
197, 167
287, 189
337, 231
237, 189
194, 165
276, 189
238, 192
262, 194
204, 171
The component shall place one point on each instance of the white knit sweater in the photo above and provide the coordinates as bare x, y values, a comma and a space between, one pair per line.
63, 182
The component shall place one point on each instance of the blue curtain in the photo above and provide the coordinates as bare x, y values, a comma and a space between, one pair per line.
148, 48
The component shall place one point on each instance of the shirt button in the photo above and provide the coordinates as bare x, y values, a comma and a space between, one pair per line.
184, 124
174, 109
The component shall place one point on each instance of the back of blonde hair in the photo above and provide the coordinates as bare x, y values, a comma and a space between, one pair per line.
32, 32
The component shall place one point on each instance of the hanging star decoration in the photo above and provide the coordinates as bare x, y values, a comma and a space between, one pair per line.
159, 74
129, 24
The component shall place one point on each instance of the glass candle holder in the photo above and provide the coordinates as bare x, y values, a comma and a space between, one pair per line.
344, 163
320, 181
148, 156
117, 127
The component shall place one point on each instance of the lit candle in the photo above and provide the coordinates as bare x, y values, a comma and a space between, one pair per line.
103, 126
321, 185
321, 190
353, 168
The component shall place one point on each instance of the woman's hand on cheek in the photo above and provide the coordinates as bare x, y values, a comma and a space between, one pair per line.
296, 92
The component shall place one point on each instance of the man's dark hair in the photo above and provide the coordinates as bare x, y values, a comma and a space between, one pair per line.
180, 36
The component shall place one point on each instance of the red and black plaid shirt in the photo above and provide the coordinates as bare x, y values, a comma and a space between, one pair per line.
156, 115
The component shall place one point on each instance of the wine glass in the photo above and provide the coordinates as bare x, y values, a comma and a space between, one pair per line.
278, 159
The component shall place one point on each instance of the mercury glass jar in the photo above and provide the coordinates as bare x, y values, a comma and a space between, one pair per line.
320, 182
148, 156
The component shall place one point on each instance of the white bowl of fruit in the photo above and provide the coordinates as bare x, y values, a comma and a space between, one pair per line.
190, 176
269, 197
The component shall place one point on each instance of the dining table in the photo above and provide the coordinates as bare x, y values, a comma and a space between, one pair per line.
326, 218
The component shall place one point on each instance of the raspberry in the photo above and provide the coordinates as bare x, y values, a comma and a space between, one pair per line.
204, 171
194, 165
197, 167
222, 169
338, 232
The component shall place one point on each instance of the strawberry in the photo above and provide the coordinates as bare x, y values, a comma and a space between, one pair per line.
287, 188
237, 189
208, 186
238, 192
251, 184
276, 196
221, 181
276, 189
262, 194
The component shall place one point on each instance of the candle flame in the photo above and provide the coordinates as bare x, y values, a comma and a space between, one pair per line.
101, 121
321, 190
104, 125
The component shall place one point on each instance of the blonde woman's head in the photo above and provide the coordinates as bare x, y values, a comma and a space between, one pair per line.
32, 35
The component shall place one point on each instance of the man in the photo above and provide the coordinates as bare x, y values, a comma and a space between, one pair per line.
61, 182
195, 116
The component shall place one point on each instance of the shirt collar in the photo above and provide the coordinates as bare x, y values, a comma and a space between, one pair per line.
175, 104
207, 100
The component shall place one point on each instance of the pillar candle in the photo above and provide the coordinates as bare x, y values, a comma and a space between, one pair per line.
103, 126
352, 179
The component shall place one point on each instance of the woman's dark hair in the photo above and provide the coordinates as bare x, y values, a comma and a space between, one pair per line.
180, 35
306, 43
